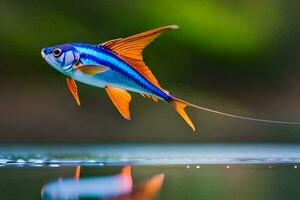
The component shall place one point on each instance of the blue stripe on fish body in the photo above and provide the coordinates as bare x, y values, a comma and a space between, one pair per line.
121, 73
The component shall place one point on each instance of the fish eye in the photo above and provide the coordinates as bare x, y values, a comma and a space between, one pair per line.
56, 52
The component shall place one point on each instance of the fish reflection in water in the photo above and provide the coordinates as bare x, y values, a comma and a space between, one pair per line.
116, 187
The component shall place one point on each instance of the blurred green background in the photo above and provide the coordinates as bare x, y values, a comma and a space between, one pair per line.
236, 56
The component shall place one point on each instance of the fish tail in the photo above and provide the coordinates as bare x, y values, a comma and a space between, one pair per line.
180, 106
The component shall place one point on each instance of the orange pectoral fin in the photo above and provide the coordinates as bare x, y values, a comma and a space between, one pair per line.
92, 69
73, 89
121, 99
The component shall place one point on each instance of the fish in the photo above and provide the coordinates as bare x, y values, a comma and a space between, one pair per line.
102, 186
117, 66
115, 187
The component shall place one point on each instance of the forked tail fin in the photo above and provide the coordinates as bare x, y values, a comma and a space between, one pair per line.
180, 106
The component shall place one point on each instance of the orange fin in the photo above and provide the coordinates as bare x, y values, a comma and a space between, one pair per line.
150, 97
154, 98
73, 89
179, 107
153, 185
147, 190
131, 48
77, 172
126, 170
110, 42
121, 99
92, 69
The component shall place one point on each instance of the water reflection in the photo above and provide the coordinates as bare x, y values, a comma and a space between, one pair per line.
115, 187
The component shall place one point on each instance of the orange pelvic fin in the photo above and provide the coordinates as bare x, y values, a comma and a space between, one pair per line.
130, 49
179, 107
121, 99
73, 89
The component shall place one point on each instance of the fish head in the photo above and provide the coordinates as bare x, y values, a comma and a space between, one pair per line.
50, 192
61, 57
59, 190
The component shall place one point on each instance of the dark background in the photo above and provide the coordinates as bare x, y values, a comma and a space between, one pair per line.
237, 56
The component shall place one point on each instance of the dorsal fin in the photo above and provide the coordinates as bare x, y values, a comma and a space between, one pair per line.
130, 49
132, 46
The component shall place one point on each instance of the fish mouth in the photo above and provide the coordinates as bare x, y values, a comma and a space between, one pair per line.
49, 60
43, 54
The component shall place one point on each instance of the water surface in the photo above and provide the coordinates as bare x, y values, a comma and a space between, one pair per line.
210, 171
